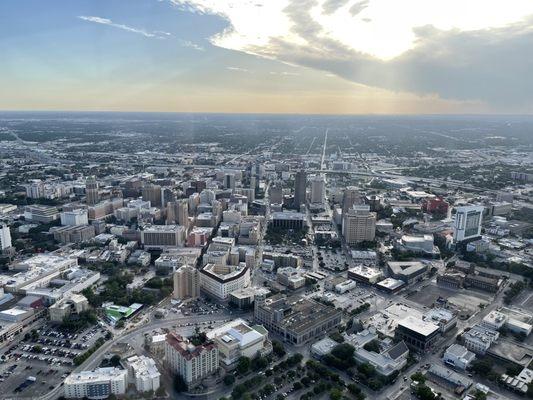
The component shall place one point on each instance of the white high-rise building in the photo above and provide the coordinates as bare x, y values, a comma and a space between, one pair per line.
467, 224
97, 384
74, 217
359, 225
318, 189
5, 237
35, 189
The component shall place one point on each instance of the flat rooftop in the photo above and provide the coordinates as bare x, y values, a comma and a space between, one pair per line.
420, 326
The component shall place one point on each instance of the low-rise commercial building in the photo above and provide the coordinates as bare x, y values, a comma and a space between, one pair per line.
287, 220
418, 334
364, 274
42, 214
387, 362
479, 338
70, 305
406, 271
297, 320
97, 384
237, 339
458, 356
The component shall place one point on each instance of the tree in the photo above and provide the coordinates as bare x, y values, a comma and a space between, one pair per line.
229, 380
482, 366
278, 348
160, 392
115, 360
372, 346
479, 395
243, 365
418, 377
335, 394
424, 393
259, 363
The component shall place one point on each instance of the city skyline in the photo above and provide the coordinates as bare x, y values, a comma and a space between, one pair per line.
316, 57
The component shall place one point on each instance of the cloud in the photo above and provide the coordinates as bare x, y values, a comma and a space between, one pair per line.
148, 34
476, 50
330, 6
358, 7
238, 69
187, 43
108, 22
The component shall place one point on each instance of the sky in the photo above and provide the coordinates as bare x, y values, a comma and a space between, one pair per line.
268, 56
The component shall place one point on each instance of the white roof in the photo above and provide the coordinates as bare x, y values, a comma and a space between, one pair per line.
425, 328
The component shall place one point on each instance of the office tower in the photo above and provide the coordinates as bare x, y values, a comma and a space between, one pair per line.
249, 193
300, 184
276, 194
35, 189
467, 224
318, 189
152, 193
167, 196
183, 213
351, 198
359, 225
178, 212
229, 181
186, 283
258, 170
5, 237
171, 213
195, 187
91, 190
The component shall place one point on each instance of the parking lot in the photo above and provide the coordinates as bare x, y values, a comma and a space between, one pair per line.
43, 359
468, 300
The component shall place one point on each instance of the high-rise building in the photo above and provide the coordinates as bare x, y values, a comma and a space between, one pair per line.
5, 237
351, 197
229, 181
318, 189
192, 363
178, 212
276, 194
467, 224
91, 190
35, 189
300, 184
152, 193
359, 225
167, 196
186, 283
